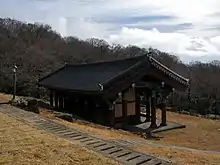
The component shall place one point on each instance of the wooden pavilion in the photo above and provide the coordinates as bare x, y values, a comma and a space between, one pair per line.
112, 93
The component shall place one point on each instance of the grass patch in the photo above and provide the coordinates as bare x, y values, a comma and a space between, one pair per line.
200, 133
22, 144
180, 156
174, 155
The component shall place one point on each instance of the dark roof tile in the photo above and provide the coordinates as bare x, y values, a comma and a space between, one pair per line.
88, 77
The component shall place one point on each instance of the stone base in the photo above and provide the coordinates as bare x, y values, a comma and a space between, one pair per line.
163, 124
145, 127
154, 126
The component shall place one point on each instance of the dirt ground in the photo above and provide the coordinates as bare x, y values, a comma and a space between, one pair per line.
22, 144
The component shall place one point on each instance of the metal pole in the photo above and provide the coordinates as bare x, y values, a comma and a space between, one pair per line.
14, 81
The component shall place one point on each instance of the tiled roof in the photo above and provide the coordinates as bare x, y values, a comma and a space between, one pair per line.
91, 77
86, 77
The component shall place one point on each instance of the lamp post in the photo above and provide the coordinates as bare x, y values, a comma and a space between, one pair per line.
14, 81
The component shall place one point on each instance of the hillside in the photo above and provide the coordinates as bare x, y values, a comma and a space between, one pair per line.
37, 50
197, 144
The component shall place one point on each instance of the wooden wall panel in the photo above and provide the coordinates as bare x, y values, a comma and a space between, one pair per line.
130, 98
118, 110
131, 108
129, 95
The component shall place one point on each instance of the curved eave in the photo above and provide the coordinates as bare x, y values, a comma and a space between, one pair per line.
169, 72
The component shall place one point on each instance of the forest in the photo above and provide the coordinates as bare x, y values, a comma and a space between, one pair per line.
37, 50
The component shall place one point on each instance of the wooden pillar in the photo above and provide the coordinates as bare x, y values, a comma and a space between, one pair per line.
137, 106
147, 105
112, 115
153, 110
163, 107
68, 103
124, 108
65, 103
60, 102
56, 100
163, 115
51, 98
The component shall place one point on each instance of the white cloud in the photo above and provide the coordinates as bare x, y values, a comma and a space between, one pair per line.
176, 43
70, 17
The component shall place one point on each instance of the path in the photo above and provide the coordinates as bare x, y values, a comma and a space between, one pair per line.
148, 143
107, 148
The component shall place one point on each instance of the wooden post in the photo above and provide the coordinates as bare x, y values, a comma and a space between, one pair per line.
163, 115
137, 106
163, 107
60, 102
14, 81
124, 108
56, 100
67, 102
147, 105
64, 103
51, 99
112, 115
153, 111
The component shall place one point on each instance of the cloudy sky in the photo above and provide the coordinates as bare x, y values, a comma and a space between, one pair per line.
187, 28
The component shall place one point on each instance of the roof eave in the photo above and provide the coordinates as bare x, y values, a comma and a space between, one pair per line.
156, 64
98, 92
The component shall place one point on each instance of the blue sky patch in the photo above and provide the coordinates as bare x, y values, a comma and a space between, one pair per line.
130, 19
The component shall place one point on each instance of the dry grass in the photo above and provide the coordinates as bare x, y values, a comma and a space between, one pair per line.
175, 155
92, 128
5, 97
181, 157
199, 133
22, 144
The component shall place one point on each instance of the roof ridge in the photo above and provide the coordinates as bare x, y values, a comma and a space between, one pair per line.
105, 62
